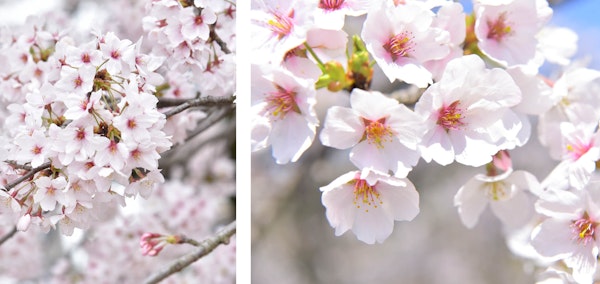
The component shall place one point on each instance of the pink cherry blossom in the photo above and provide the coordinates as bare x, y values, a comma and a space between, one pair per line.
383, 133
506, 193
506, 31
569, 232
401, 39
368, 203
288, 103
467, 113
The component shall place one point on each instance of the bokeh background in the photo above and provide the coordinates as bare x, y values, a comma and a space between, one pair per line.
292, 241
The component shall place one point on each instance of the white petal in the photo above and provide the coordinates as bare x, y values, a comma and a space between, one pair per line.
401, 202
343, 128
552, 238
470, 200
291, 137
340, 208
373, 226
514, 212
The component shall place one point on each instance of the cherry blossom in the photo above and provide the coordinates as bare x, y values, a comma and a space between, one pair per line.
288, 102
401, 39
368, 203
506, 31
383, 133
506, 193
466, 118
569, 231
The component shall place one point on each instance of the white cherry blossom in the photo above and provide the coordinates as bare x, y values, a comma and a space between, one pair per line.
368, 203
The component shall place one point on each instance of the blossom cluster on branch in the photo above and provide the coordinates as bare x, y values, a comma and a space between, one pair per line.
474, 89
91, 122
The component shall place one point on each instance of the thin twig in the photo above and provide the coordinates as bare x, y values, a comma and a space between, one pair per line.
208, 122
215, 37
26, 176
16, 165
205, 247
205, 101
8, 236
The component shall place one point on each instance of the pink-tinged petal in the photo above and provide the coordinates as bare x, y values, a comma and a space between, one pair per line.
584, 262
438, 147
340, 207
471, 201
409, 126
560, 204
514, 212
372, 105
291, 137
393, 156
343, 128
472, 149
512, 130
373, 226
553, 238
401, 202
525, 180
536, 94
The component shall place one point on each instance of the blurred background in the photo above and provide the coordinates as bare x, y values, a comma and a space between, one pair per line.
292, 241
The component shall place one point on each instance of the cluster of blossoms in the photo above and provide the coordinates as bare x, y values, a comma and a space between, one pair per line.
85, 120
86, 116
475, 87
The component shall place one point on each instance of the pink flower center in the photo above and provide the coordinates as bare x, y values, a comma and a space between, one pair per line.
281, 102
36, 150
85, 58
78, 82
198, 20
365, 193
377, 132
583, 229
282, 25
331, 5
499, 28
131, 123
400, 45
80, 134
450, 117
578, 149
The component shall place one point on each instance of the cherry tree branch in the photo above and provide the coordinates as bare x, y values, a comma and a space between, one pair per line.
208, 122
215, 37
204, 101
8, 236
205, 247
26, 176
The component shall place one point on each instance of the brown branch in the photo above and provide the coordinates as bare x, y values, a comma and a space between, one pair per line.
205, 101
208, 122
215, 37
26, 176
8, 236
205, 247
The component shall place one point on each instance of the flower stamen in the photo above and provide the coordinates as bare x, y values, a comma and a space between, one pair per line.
377, 132
584, 229
281, 102
282, 25
331, 5
365, 193
400, 45
498, 29
450, 117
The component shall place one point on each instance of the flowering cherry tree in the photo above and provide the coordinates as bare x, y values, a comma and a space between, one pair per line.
470, 92
117, 144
